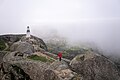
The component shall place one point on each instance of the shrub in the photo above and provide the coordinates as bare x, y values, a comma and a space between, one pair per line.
2, 45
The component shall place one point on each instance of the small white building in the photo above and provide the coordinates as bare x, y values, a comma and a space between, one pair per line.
28, 32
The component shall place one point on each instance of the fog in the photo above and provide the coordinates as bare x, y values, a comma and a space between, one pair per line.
104, 34
95, 21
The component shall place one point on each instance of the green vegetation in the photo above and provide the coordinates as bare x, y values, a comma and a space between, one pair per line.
2, 45
80, 58
51, 60
40, 58
65, 53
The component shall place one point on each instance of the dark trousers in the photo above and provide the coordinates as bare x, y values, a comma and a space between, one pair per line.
59, 58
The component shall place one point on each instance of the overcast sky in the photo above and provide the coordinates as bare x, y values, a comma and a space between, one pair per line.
95, 21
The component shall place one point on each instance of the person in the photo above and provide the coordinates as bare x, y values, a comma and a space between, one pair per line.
60, 56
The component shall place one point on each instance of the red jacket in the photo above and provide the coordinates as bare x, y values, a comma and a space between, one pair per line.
59, 54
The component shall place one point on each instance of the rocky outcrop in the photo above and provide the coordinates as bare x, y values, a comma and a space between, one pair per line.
27, 46
15, 67
22, 68
12, 72
88, 66
23, 47
10, 39
62, 70
36, 41
51, 75
93, 66
2, 54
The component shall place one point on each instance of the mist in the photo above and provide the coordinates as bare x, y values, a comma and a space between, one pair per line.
88, 21
103, 34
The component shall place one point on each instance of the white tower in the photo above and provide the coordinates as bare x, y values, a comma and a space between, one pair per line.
28, 32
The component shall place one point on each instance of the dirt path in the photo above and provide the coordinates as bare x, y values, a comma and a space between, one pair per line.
56, 57
47, 54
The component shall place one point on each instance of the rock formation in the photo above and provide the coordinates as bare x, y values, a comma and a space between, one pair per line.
23, 47
19, 68
28, 59
16, 66
10, 39
93, 66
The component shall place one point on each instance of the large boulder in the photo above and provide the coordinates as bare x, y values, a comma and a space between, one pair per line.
61, 69
19, 68
12, 72
23, 47
93, 66
33, 70
50, 75
36, 41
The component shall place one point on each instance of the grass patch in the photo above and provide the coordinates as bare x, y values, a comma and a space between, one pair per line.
40, 58
51, 60
65, 54
80, 58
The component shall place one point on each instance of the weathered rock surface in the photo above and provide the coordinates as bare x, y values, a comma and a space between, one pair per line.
27, 46
10, 39
12, 72
88, 66
23, 47
62, 70
51, 75
19, 68
16, 66
2, 54
93, 66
